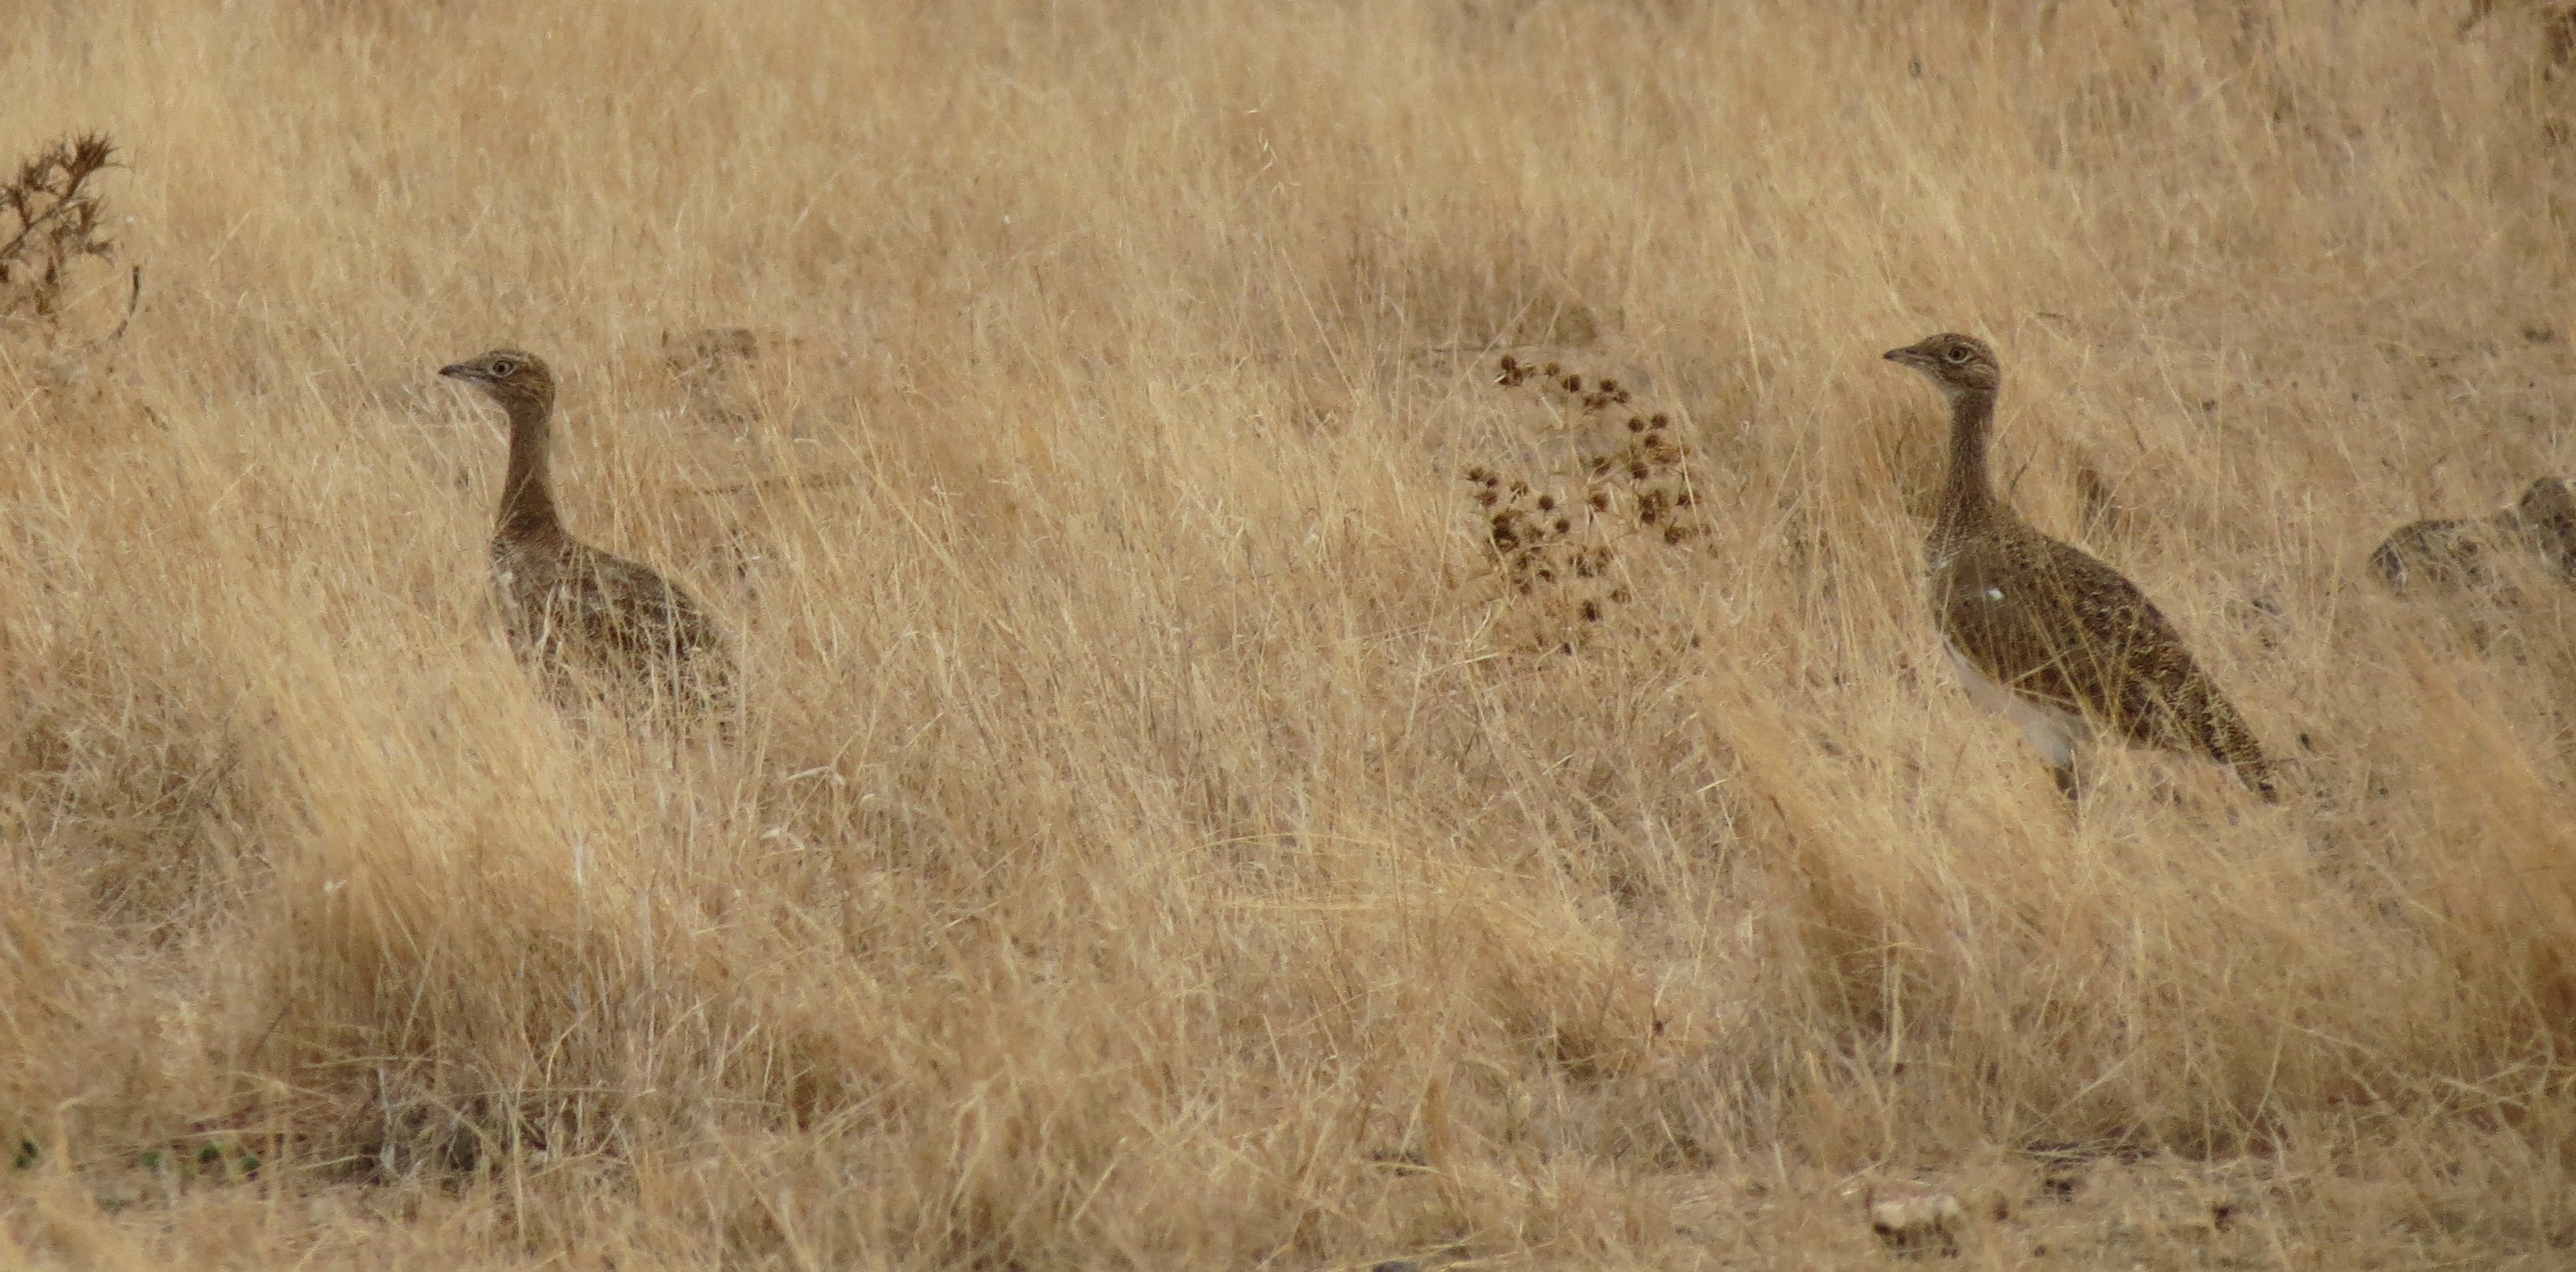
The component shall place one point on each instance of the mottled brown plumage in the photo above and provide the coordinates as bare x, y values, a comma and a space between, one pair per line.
587, 620
2043, 632
2459, 553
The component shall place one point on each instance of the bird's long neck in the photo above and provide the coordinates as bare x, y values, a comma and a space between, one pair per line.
1968, 493
527, 493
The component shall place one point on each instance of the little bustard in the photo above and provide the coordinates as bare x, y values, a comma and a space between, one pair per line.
577, 614
2044, 633
2457, 553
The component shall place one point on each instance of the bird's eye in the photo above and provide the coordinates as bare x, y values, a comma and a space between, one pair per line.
503, 368
1958, 355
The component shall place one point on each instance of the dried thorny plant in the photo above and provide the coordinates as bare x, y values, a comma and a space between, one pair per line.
55, 221
1571, 538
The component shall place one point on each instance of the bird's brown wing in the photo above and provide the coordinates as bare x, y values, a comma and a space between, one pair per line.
618, 619
2059, 627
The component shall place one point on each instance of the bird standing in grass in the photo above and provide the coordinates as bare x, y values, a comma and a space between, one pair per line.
2044, 633
587, 620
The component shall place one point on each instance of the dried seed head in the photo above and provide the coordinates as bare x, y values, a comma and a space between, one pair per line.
1600, 501
1563, 525
1486, 498
1675, 534
1609, 385
1619, 595
1592, 611
1636, 424
1572, 383
1640, 471
1477, 473
1547, 503
1660, 420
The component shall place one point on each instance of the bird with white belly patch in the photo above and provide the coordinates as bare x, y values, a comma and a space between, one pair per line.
2044, 633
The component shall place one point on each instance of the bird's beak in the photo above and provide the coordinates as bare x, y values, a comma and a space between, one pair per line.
1906, 356
460, 371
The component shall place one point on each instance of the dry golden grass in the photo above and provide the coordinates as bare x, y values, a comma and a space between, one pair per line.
1166, 838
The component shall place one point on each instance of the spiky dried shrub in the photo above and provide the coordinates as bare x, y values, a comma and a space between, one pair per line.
1571, 539
52, 220
55, 222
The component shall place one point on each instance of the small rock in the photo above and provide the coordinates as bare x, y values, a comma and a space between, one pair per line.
1916, 1221
1401, 1160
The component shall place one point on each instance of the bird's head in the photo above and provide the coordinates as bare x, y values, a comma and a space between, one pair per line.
1957, 363
515, 380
